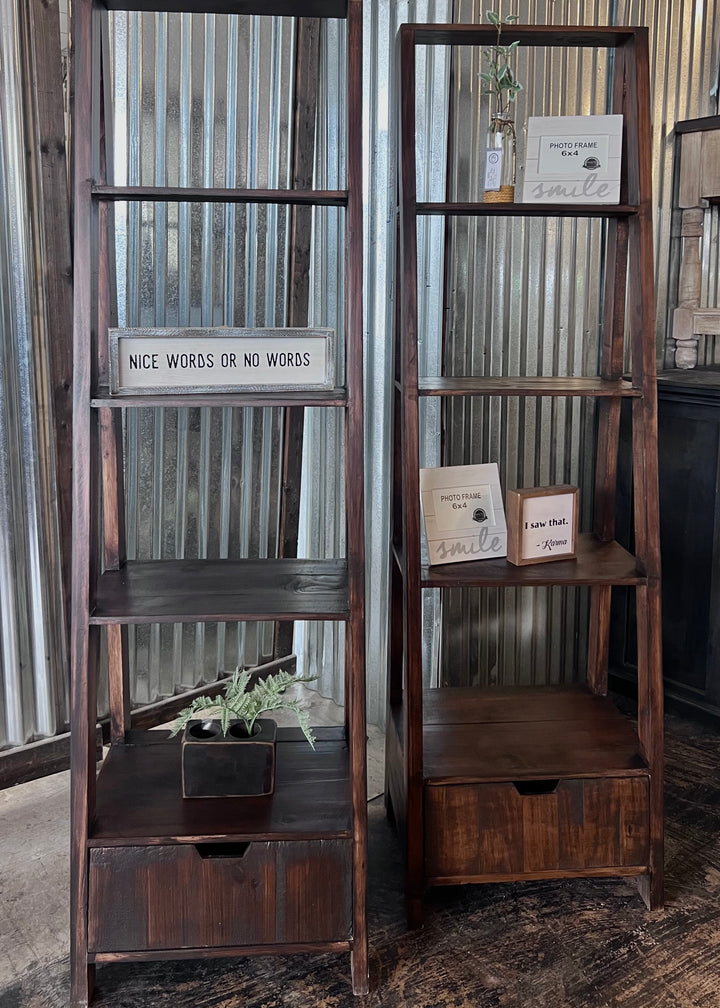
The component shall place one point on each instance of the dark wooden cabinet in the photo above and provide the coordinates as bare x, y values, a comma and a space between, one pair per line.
689, 471
153, 874
689, 486
494, 784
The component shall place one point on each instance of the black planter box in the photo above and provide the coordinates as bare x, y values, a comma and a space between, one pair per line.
228, 766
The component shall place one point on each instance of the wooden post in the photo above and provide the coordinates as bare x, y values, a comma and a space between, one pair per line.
306, 85
698, 184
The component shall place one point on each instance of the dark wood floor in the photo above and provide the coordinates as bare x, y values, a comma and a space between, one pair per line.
578, 944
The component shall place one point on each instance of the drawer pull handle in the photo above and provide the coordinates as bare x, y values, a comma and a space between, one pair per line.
222, 850
536, 787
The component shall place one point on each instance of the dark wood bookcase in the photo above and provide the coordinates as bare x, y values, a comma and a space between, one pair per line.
496, 784
155, 876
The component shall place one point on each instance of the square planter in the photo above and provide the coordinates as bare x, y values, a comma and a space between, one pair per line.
228, 766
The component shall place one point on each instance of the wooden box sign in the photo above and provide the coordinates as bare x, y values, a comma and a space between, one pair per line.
144, 361
573, 159
542, 524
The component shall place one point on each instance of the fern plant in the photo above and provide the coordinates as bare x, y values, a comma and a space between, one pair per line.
246, 705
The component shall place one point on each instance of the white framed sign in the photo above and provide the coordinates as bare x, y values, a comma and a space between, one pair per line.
573, 159
144, 361
542, 524
463, 513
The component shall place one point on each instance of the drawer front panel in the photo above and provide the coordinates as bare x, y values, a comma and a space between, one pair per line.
219, 895
529, 827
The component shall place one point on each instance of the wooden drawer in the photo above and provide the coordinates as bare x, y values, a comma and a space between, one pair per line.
219, 895
506, 829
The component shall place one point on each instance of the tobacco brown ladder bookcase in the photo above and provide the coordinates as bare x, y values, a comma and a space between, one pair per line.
269, 876
490, 785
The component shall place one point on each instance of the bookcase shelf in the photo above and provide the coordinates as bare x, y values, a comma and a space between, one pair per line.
491, 784
155, 875
177, 591
509, 385
596, 563
439, 209
136, 804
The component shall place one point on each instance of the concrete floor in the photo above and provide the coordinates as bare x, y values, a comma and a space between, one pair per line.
34, 877
35, 864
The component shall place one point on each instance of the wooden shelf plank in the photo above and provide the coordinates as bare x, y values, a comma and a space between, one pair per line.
450, 209
596, 563
484, 735
181, 591
286, 8
529, 35
139, 798
327, 397
195, 194
223, 952
508, 752
505, 704
509, 385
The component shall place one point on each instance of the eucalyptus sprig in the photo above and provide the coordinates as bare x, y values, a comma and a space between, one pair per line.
239, 703
500, 81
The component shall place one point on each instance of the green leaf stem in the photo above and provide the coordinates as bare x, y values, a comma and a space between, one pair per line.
500, 81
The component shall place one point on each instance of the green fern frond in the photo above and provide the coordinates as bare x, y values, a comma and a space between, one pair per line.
246, 705
237, 685
304, 722
198, 706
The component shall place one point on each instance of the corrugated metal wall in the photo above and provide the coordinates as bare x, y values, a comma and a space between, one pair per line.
202, 101
33, 674
525, 298
191, 101
382, 21
205, 69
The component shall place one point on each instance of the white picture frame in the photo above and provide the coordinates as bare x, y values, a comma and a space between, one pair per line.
573, 159
463, 513
218, 359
